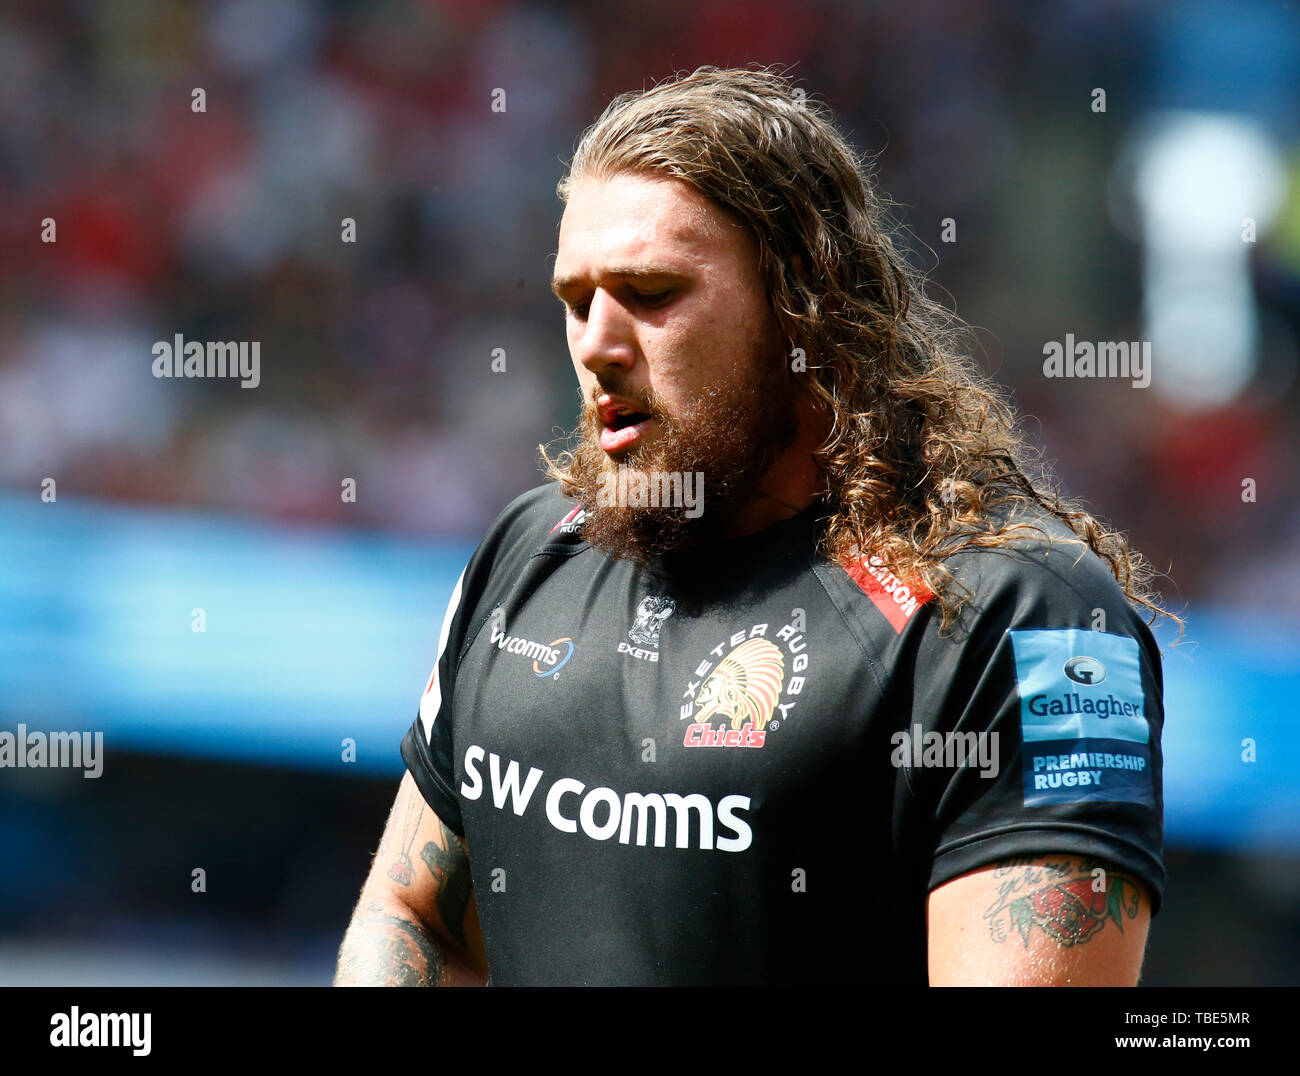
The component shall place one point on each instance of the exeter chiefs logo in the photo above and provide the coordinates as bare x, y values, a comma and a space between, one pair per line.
745, 686
738, 699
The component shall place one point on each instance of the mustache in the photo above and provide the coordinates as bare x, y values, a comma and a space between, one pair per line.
640, 399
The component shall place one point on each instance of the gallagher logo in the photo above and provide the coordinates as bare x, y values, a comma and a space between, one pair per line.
1085, 670
738, 697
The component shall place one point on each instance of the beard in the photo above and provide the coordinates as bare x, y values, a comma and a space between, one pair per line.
730, 435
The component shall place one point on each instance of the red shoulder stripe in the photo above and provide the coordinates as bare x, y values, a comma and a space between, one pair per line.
896, 601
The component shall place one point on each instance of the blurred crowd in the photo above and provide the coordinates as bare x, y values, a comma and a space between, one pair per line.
227, 224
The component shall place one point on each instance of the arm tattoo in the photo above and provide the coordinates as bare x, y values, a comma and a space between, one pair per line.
449, 866
1061, 897
383, 949
400, 870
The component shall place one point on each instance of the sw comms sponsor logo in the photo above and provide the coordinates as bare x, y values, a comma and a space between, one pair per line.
602, 814
547, 658
741, 685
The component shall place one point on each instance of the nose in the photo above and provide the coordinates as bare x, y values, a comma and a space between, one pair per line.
604, 338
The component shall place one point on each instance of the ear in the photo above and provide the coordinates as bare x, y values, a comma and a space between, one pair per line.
800, 270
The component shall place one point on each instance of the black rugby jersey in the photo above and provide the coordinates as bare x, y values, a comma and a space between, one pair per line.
745, 764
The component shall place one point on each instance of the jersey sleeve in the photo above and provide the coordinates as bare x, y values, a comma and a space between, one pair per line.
427, 745
1035, 726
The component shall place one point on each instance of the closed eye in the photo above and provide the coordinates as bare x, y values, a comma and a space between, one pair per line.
642, 298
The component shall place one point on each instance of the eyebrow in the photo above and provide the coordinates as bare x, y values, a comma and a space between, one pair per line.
623, 272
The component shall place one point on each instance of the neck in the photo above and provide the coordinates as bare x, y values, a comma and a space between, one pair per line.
794, 480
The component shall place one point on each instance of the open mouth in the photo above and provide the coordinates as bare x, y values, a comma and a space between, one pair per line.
623, 428
627, 418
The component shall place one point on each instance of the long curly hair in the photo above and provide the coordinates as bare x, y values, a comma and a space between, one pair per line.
924, 457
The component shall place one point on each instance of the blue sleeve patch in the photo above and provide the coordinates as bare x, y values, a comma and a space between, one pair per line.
1083, 725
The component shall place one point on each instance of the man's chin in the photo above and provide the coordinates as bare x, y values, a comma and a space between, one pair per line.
624, 524
712, 469
642, 534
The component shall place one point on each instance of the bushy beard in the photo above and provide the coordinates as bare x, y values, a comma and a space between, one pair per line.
731, 435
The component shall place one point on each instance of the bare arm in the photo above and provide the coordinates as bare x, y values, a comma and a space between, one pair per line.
416, 923
1038, 921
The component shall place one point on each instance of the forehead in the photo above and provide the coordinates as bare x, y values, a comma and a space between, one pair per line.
627, 219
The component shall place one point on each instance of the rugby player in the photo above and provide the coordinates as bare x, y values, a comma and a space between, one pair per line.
881, 707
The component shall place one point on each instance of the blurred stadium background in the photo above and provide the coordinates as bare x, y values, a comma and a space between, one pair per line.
223, 748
